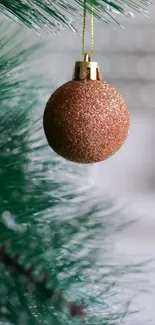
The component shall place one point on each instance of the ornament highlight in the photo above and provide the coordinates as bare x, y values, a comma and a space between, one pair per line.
86, 120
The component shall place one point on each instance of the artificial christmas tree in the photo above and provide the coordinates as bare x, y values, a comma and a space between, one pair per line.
50, 218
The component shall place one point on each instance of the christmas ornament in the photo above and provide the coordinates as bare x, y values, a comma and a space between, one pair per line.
86, 120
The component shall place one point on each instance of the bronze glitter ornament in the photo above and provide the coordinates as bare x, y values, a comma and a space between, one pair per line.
86, 120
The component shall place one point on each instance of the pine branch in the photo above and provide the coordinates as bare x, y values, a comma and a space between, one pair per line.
32, 184
39, 282
54, 15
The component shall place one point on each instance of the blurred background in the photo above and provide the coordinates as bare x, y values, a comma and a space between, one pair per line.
122, 188
126, 58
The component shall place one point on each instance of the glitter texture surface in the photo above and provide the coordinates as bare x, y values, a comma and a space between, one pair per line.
86, 121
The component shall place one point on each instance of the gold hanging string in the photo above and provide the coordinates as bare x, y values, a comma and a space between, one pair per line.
84, 29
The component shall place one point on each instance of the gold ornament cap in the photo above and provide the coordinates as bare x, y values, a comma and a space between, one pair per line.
86, 69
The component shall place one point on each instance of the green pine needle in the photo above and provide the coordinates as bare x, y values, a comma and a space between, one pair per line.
53, 15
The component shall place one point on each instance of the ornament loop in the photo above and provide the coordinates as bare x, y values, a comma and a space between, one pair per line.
87, 57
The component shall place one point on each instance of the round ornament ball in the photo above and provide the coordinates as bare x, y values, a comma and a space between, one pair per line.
86, 120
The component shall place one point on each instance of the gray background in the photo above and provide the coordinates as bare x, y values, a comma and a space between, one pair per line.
127, 61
